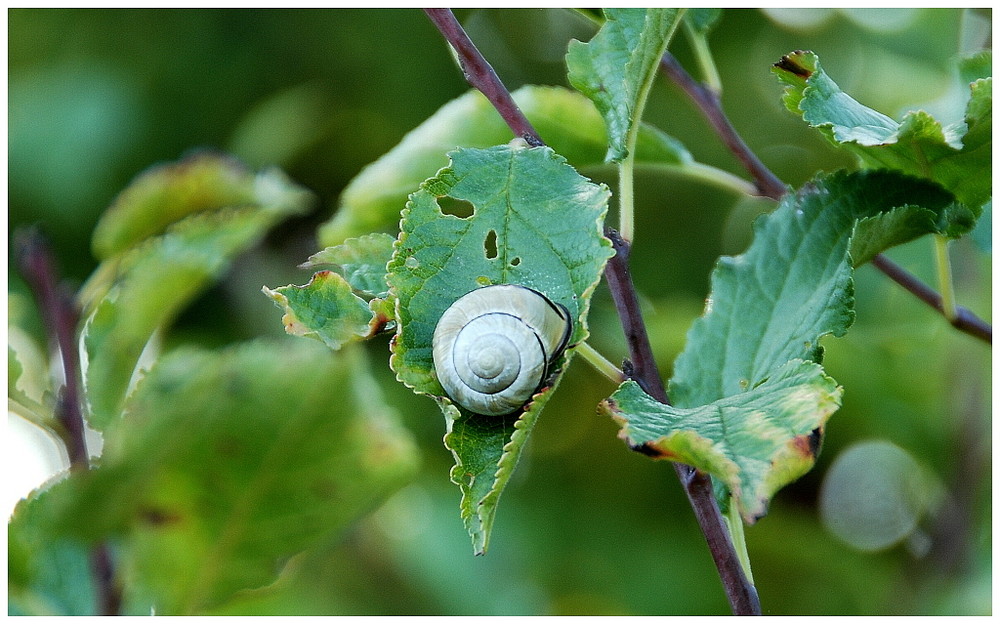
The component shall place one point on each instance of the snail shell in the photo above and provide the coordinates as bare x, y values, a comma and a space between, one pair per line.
493, 346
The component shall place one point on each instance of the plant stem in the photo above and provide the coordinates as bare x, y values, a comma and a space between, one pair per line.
697, 485
60, 316
768, 185
964, 320
626, 203
479, 73
708, 102
702, 53
945, 282
600, 363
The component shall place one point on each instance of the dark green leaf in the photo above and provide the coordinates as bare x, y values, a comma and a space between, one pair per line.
566, 120
546, 225
47, 574
617, 66
229, 462
793, 285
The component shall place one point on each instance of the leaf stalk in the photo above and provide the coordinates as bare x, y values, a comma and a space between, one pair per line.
600, 363
945, 281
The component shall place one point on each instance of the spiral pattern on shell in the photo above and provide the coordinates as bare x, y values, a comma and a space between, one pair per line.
493, 347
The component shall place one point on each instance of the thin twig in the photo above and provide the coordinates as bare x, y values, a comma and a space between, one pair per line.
60, 316
742, 596
964, 320
707, 101
697, 485
479, 73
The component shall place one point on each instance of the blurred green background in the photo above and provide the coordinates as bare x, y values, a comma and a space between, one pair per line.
585, 526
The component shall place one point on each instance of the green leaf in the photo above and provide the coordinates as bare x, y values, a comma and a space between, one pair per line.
201, 182
976, 66
567, 121
702, 19
146, 286
545, 222
793, 285
755, 442
750, 399
29, 390
361, 261
956, 157
617, 66
326, 309
47, 574
229, 462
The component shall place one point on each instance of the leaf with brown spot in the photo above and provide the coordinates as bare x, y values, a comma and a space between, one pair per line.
755, 442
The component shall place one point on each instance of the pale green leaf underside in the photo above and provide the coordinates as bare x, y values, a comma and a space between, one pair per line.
616, 67
361, 261
755, 442
223, 210
793, 285
566, 120
229, 462
956, 157
750, 399
29, 389
167, 193
155, 281
545, 222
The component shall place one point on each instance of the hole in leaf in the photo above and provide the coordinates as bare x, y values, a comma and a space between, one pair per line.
491, 244
455, 207
516, 260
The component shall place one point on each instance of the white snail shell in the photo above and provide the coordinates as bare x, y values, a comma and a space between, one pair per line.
493, 347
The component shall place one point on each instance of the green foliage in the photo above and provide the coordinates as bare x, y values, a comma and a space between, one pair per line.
148, 280
617, 66
231, 475
47, 573
568, 121
535, 222
958, 156
360, 260
326, 309
207, 495
798, 267
755, 442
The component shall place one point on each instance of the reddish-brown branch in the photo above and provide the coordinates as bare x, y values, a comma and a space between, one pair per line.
479, 73
698, 486
707, 102
964, 320
60, 316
